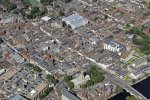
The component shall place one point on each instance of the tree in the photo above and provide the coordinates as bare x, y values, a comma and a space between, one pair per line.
46, 2
131, 98
37, 69
35, 9
135, 30
83, 86
46, 92
119, 90
70, 84
12, 6
94, 0
61, 13
136, 40
97, 79
67, 78
55, 81
50, 77
67, 1
89, 83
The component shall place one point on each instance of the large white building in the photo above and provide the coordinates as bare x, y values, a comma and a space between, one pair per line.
75, 21
114, 46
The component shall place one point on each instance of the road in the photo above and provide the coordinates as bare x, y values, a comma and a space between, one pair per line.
104, 68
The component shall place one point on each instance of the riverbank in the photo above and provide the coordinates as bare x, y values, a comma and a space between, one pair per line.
141, 85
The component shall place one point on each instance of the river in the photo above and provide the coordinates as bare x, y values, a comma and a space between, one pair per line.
143, 87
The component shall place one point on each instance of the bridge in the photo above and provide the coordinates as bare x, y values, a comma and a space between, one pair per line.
128, 88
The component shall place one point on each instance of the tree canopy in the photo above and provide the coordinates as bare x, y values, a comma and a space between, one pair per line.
70, 85
67, 78
131, 98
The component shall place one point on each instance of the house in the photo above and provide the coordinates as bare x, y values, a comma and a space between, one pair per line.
67, 95
113, 46
75, 21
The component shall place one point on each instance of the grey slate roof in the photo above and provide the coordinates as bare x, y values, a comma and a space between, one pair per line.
69, 95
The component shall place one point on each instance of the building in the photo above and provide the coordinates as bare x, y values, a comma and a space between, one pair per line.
45, 18
75, 21
9, 74
114, 46
18, 58
138, 68
67, 95
18, 97
34, 93
80, 80
138, 63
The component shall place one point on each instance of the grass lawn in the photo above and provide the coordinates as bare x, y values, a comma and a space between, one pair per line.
135, 57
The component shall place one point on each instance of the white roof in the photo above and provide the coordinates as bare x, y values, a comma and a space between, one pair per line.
33, 92
46, 18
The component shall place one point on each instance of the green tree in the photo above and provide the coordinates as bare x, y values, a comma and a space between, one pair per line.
67, 78
83, 86
70, 84
131, 98
89, 83
61, 13
37, 69
12, 6
50, 77
94, 0
35, 9
46, 2
119, 90
67, 1
135, 30
136, 40
55, 81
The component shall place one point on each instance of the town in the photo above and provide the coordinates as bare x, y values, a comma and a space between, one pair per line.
73, 49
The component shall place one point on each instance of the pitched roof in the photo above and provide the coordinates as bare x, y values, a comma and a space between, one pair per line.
69, 95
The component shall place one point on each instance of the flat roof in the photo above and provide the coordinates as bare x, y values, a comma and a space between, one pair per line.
40, 87
18, 97
75, 20
46, 18
10, 73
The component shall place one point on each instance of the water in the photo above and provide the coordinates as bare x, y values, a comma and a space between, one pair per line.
143, 87
121, 96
